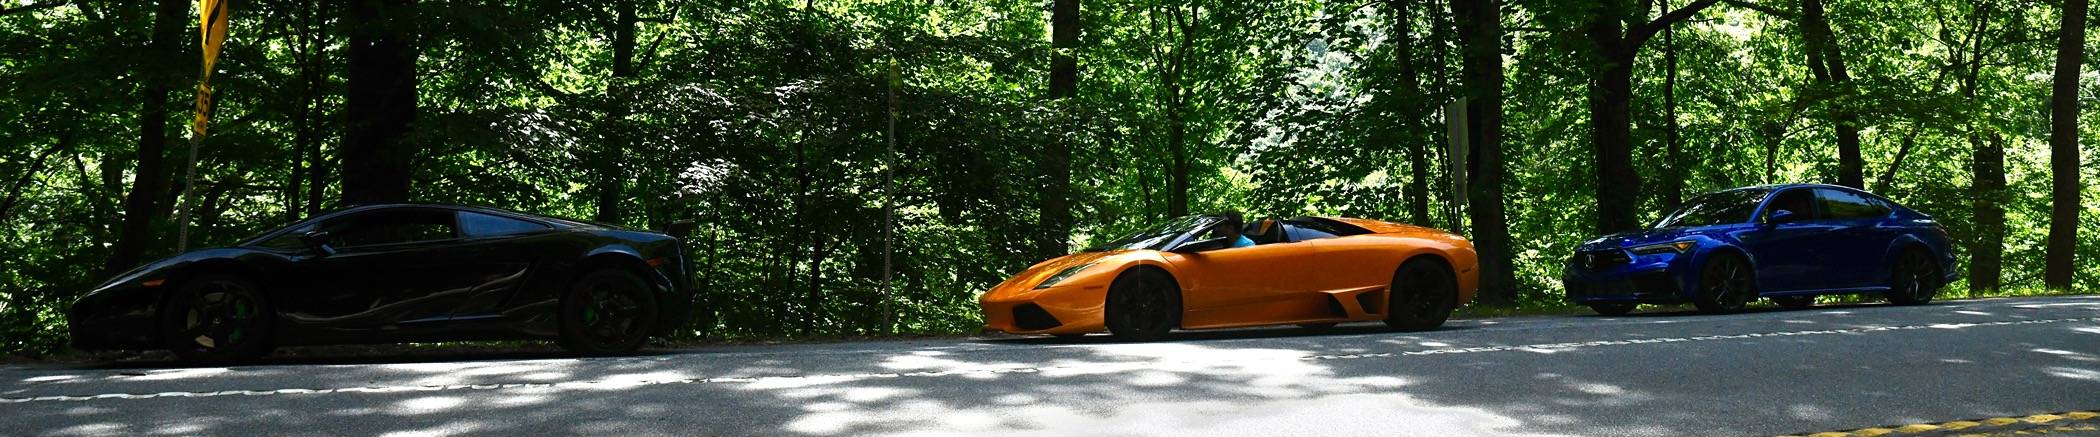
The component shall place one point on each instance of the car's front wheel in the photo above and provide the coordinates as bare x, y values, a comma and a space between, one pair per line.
1423, 294
215, 319
1143, 305
607, 312
1912, 280
1725, 285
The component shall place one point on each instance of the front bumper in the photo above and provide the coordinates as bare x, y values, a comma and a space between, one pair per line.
1074, 309
116, 319
1639, 279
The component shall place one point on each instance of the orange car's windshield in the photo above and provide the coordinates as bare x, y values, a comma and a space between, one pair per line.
1158, 236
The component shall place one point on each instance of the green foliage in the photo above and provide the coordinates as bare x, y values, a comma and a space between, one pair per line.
765, 122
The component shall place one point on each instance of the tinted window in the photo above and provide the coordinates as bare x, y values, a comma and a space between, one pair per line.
473, 224
1840, 204
1157, 236
390, 227
1301, 231
1801, 202
1725, 207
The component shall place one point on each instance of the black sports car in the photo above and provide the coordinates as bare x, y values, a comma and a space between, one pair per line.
397, 273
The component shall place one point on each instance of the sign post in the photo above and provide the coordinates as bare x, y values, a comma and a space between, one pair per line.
212, 17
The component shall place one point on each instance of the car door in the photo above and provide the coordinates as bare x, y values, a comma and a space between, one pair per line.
1242, 285
388, 270
1859, 242
1787, 254
497, 256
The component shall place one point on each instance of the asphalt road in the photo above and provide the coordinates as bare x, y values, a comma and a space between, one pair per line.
1758, 373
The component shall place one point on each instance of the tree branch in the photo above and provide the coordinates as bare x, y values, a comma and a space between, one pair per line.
1641, 33
1767, 10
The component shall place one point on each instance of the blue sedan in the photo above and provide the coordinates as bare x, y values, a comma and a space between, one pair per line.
1788, 243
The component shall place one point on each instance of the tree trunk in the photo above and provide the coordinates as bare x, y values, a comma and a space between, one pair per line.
1618, 186
2059, 270
1055, 209
150, 179
1177, 144
1987, 197
1480, 27
1827, 63
613, 150
1410, 104
1674, 163
381, 102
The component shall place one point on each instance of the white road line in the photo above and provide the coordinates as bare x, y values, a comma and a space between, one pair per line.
848, 377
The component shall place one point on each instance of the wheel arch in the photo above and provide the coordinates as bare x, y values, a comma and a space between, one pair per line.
1164, 271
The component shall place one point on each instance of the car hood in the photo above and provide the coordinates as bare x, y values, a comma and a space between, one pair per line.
1643, 237
1025, 281
165, 264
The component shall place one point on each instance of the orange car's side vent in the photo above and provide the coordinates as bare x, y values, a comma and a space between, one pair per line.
1334, 306
1368, 301
1030, 317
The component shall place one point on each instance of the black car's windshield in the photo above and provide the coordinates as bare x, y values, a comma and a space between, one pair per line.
1157, 236
1725, 207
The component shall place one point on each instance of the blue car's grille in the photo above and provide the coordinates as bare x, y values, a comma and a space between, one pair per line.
1603, 259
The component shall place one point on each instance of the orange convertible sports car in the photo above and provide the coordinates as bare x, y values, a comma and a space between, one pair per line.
1184, 273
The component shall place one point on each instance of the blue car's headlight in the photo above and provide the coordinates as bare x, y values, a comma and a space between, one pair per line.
1062, 275
1670, 247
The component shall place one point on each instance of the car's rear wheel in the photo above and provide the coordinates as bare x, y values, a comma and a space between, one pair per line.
1143, 305
1423, 294
1613, 309
218, 320
607, 312
1912, 280
1725, 285
1794, 302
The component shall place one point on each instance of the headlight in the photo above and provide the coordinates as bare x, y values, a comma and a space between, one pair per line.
1062, 275
1670, 247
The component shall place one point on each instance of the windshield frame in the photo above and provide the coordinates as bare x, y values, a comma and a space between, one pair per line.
1162, 236
1674, 218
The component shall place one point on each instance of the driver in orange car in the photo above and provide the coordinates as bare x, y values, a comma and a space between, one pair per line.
1229, 228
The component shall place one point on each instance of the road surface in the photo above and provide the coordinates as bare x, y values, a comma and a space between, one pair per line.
1759, 373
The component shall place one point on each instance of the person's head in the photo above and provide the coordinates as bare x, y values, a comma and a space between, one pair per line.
1230, 227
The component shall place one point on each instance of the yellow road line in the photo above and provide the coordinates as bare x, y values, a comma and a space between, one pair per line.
2064, 421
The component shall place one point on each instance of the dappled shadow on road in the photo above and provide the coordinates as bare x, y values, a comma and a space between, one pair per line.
1241, 382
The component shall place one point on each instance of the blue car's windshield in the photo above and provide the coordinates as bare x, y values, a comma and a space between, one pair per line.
1157, 236
1725, 207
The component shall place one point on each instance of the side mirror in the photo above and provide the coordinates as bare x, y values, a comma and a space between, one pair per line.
1781, 216
681, 228
318, 241
1204, 245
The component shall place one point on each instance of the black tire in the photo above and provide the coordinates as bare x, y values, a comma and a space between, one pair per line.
1726, 283
1143, 305
607, 312
1613, 309
1423, 294
1913, 280
216, 319
1794, 302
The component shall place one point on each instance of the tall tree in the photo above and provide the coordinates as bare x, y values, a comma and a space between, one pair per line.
381, 101
1411, 102
612, 146
2063, 149
149, 182
1480, 28
1673, 180
1055, 208
1827, 63
1611, 92
1986, 169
